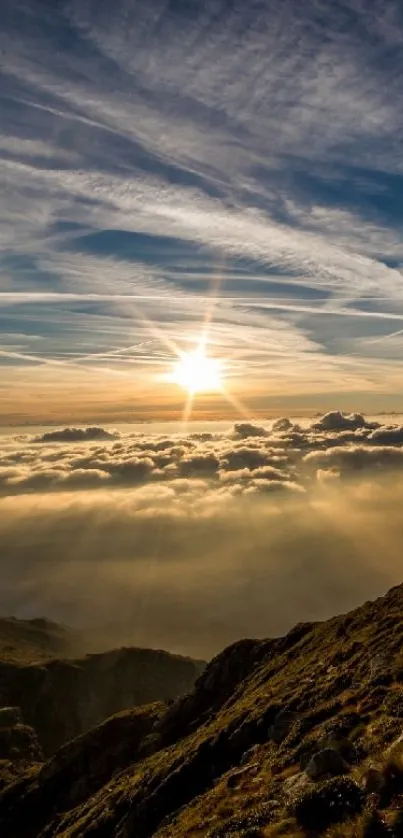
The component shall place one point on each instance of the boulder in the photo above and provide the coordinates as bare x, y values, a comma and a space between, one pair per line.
326, 761
282, 723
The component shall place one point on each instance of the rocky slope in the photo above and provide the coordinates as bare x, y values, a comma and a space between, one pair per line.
296, 736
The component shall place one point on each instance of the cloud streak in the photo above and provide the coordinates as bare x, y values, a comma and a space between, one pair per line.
157, 159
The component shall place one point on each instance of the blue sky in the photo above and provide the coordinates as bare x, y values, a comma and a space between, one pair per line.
166, 162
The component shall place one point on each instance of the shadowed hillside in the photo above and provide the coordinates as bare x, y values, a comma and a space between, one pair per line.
295, 736
61, 696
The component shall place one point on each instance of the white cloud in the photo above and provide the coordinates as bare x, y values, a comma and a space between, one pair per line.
189, 551
247, 458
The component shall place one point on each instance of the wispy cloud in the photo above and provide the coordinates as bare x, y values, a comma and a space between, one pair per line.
156, 154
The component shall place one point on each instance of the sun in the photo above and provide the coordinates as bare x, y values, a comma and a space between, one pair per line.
197, 373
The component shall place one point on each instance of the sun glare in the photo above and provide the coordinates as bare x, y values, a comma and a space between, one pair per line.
197, 373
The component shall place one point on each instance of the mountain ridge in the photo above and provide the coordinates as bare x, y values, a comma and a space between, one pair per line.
62, 697
243, 753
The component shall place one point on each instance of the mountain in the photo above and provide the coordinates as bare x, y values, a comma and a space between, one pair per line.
294, 736
32, 641
61, 696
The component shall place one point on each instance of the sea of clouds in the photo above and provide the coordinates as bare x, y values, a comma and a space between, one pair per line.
193, 540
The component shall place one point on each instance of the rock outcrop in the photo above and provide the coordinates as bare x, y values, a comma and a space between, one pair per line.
326, 761
19, 746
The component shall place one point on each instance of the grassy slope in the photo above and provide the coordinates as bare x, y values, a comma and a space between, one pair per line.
344, 681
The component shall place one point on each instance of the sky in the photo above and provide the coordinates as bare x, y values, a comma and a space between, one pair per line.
178, 168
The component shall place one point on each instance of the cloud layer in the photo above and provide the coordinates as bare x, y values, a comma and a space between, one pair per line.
194, 540
248, 459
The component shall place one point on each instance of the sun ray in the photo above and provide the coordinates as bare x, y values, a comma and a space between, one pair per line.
187, 410
197, 372
214, 297
236, 403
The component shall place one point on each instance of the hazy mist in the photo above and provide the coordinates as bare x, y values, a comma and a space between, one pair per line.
276, 530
